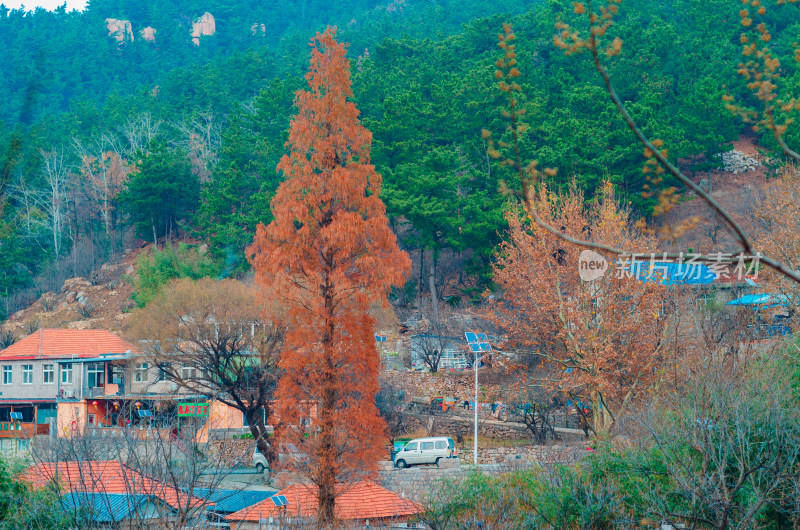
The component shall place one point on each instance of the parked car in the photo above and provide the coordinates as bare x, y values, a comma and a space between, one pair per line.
259, 461
425, 451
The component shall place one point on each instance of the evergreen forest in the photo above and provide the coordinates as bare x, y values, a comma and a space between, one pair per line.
110, 138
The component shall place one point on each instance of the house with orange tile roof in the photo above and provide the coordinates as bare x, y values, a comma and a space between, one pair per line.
51, 366
359, 504
92, 382
112, 494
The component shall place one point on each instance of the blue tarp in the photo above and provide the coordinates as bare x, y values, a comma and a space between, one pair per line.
762, 300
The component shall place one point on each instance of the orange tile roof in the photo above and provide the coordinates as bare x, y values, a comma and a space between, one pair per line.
105, 476
67, 343
355, 501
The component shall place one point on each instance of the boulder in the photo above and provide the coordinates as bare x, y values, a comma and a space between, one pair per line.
120, 30
148, 34
203, 27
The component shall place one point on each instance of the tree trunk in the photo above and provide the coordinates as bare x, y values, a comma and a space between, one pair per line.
432, 288
421, 272
326, 478
603, 420
155, 237
259, 431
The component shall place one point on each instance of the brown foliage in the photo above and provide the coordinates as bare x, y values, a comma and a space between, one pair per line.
599, 339
777, 217
328, 255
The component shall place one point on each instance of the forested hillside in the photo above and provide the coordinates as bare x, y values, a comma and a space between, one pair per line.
108, 136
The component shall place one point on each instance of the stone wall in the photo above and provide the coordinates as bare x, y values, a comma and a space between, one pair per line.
524, 456
424, 384
455, 425
232, 453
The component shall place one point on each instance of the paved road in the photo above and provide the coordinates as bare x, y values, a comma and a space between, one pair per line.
236, 479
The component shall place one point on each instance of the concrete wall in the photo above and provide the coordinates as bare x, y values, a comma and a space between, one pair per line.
69, 413
36, 390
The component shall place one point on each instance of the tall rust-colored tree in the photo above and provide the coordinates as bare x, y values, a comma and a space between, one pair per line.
329, 253
598, 340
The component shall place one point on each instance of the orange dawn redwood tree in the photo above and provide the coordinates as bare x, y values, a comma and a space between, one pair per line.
329, 254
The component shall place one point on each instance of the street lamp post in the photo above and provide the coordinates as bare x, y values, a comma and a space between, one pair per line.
478, 342
475, 436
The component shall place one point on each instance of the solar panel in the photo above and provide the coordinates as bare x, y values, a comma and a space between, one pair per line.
279, 500
478, 342
16, 415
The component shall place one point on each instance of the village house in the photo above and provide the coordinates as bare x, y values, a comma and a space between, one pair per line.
360, 505
110, 494
54, 369
67, 382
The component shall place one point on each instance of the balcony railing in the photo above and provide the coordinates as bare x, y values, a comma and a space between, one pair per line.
10, 429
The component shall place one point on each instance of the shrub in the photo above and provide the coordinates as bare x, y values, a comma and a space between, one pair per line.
156, 269
721, 451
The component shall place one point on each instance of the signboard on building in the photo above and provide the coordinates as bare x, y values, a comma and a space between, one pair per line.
193, 409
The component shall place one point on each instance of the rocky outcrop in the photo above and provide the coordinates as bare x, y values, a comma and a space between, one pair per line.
203, 27
737, 162
258, 29
148, 34
120, 30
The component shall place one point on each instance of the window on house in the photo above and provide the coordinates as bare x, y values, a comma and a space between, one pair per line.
163, 371
188, 373
27, 374
8, 375
48, 374
140, 373
95, 375
66, 374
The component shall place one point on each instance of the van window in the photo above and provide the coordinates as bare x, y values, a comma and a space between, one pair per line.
441, 444
411, 447
426, 446
450, 443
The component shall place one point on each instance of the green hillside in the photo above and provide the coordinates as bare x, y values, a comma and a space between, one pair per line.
124, 118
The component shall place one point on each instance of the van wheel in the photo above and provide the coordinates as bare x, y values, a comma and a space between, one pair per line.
260, 467
439, 459
402, 464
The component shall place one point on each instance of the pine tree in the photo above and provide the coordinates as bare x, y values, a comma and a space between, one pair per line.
328, 254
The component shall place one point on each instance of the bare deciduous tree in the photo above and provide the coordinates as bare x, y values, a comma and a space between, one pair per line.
215, 338
162, 462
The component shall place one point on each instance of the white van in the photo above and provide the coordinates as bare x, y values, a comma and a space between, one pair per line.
425, 451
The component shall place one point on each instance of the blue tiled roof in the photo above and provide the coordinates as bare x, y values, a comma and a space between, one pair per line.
229, 501
108, 507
